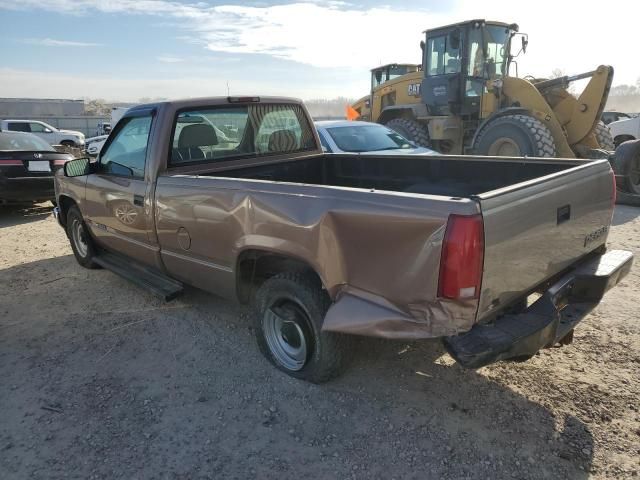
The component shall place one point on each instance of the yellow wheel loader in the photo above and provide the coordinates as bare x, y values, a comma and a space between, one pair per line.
461, 99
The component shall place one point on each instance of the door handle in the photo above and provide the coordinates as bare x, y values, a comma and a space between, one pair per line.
138, 200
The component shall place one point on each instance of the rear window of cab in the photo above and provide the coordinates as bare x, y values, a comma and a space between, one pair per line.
233, 132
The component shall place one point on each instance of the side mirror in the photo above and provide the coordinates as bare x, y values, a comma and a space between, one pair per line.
77, 168
47, 130
118, 169
525, 42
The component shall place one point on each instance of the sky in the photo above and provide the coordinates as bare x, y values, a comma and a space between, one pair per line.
129, 49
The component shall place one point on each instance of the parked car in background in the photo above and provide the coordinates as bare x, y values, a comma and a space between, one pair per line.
345, 136
625, 129
608, 117
48, 133
93, 145
27, 166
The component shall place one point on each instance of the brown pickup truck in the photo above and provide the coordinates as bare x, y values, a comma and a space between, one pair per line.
498, 256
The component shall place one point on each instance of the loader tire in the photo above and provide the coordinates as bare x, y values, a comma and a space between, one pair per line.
515, 136
411, 130
627, 165
604, 137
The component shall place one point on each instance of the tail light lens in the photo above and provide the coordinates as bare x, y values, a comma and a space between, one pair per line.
462, 257
12, 163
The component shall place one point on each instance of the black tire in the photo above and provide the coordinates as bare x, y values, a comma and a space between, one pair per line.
68, 143
604, 137
411, 130
84, 250
515, 135
627, 164
299, 303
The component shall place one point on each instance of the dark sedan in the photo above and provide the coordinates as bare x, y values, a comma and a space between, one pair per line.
27, 166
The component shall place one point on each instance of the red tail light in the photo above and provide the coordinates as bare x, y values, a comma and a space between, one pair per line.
13, 163
462, 257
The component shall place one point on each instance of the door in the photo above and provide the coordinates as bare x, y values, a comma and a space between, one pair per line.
43, 132
118, 209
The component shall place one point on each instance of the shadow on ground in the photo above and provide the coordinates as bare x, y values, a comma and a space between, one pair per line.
11, 215
102, 380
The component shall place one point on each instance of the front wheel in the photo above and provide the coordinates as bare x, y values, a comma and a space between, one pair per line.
289, 311
515, 136
81, 242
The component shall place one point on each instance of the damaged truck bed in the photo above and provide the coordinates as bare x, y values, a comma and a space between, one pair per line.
234, 196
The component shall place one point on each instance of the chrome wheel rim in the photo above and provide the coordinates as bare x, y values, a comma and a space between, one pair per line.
504, 147
79, 239
284, 330
126, 214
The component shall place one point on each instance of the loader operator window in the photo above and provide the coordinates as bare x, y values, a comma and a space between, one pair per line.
442, 58
487, 54
487, 57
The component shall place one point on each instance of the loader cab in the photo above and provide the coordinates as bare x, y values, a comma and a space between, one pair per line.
389, 72
457, 62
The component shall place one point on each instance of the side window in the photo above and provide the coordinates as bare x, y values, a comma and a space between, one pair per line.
19, 127
435, 56
442, 59
37, 127
126, 153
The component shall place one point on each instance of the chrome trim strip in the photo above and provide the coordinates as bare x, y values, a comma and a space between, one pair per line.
204, 263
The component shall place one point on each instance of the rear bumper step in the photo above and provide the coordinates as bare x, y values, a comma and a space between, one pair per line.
547, 321
151, 280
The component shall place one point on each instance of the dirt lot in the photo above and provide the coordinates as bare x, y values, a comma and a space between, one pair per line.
102, 380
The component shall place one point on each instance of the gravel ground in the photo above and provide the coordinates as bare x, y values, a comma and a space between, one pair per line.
102, 380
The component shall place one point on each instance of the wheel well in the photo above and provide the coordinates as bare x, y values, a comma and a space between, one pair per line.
622, 138
256, 266
65, 203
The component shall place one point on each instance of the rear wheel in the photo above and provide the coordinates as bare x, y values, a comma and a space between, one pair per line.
604, 137
289, 311
81, 242
515, 136
627, 161
411, 130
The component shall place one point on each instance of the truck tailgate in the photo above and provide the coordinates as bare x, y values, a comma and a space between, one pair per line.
536, 229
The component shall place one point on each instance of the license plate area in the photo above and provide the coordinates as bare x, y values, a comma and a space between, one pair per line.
39, 166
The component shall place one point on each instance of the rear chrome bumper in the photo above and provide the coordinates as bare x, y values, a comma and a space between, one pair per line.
547, 321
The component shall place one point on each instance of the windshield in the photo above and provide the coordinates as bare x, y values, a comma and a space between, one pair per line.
10, 141
487, 55
367, 138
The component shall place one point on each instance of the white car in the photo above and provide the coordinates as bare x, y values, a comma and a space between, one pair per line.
625, 129
346, 136
93, 145
48, 133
